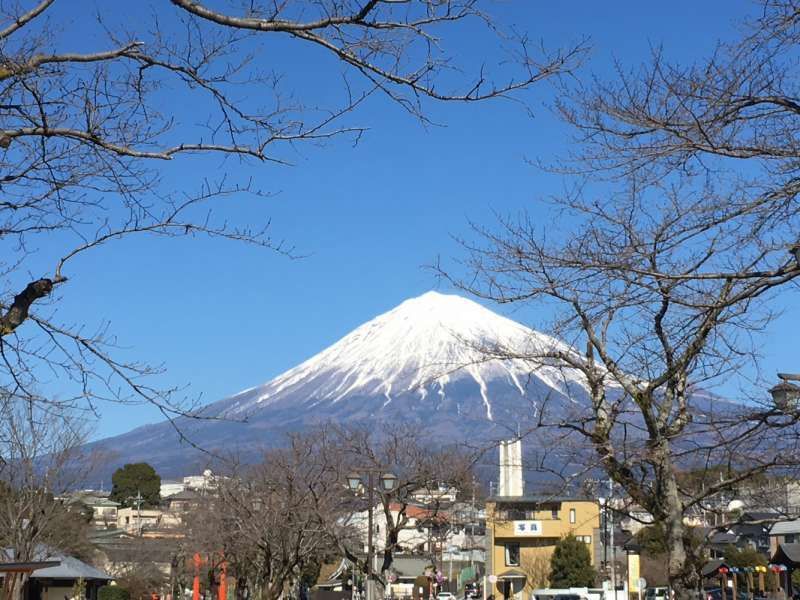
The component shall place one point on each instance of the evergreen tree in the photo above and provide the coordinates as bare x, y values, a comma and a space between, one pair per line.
571, 564
133, 479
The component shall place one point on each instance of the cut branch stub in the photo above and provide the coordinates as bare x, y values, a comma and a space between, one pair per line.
18, 311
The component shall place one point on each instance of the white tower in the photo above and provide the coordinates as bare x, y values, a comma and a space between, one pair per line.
510, 468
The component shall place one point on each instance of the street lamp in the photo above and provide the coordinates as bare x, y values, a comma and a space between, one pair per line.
355, 482
786, 394
388, 481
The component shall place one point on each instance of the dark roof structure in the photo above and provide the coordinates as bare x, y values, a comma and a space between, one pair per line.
539, 499
184, 495
25, 567
711, 568
788, 555
56, 565
71, 568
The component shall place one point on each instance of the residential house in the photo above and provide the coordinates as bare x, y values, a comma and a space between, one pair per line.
752, 531
103, 510
147, 520
633, 517
784, 532
425, 529
182, 502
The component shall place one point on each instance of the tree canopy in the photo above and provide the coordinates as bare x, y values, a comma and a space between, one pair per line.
133, 479
571, 564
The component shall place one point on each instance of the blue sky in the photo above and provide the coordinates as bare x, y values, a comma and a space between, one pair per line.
223, 317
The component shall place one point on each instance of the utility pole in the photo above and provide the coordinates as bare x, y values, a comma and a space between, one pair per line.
610, 516
370, 548
472, 518
138, 501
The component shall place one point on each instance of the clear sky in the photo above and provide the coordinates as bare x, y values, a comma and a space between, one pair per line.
223, 317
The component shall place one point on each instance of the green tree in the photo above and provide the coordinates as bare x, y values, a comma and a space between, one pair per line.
113, 592
653, 540
743, 557
133, 479
571, 564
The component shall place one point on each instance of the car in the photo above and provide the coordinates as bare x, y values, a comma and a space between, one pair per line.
445, 596
657, 593
472, 590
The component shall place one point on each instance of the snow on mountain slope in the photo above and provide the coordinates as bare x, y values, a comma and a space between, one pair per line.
424, 346
419, 364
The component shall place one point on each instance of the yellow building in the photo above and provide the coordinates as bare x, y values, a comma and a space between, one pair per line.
522, 532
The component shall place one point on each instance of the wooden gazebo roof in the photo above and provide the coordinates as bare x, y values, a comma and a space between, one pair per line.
788, 555
27, 567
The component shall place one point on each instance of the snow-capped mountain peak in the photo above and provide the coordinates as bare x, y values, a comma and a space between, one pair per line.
419, 365
421, 350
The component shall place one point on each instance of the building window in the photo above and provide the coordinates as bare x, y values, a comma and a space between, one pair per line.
572, 517
554, 513
512, 555
586, 539
788, 538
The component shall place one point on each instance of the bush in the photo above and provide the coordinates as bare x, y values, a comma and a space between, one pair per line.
571, 564
113, 592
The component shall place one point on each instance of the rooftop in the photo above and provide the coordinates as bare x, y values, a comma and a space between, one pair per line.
60, 566
539, 499
784, 527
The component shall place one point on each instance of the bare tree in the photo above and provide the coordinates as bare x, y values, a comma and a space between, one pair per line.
427, 479
143, 566
662, 276
86, 137
40, 462
270, 523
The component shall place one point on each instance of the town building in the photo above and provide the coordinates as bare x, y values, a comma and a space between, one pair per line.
169, 488
522, 530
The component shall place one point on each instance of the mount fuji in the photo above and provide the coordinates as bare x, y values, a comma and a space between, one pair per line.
423, 363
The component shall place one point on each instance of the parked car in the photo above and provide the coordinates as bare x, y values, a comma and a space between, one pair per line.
657, 593
445, 596
472, 590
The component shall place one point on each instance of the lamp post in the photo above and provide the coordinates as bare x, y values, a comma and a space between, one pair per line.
355, 482
786, 394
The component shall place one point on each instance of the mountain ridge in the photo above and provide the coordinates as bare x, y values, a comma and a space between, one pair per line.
422, 363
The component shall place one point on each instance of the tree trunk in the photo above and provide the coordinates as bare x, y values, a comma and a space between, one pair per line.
684, 579
14, 585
